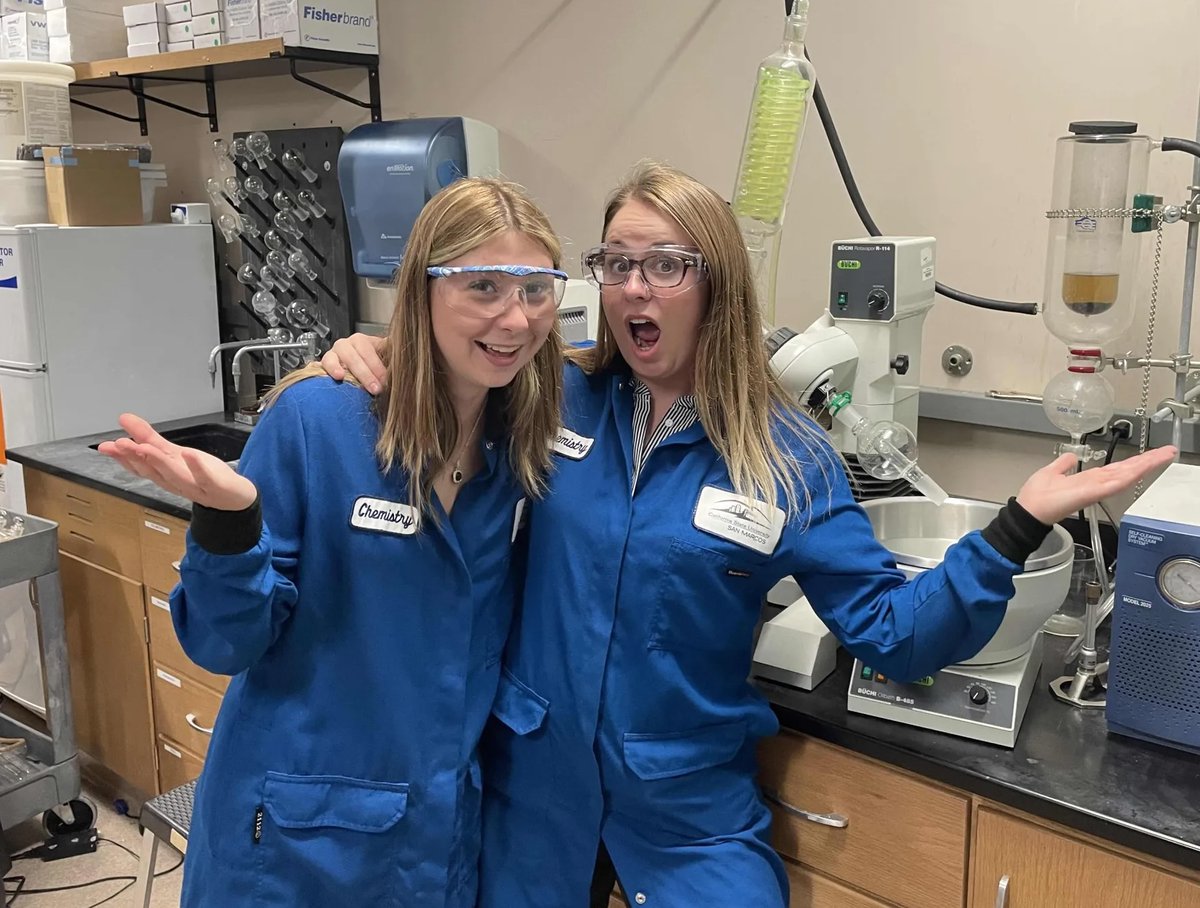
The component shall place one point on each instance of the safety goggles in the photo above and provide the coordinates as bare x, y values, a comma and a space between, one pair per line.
487, 291
662, 267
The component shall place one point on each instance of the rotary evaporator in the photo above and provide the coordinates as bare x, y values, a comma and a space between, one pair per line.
854, 363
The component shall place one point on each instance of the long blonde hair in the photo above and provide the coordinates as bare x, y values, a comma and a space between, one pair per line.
738, 398
419, 428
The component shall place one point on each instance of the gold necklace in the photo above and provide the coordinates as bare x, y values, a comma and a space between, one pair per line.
456, 476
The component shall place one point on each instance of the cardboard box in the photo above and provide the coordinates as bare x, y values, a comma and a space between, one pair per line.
351, 26
172, 47
207, 25
209, 40
180, 31
241, 21
93, 186
150, 32
71, 21
177, 12
141, 13
204, 7
148, 49
23, 37
85, 48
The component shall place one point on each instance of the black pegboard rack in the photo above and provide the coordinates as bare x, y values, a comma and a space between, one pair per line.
324, 240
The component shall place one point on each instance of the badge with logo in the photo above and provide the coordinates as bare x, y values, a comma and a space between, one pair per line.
747, 522
568, 444
384, 516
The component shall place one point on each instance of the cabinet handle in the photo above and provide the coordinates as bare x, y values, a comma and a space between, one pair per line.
71, 497
191, 720
84, 538
1002, 892
835, 820
175, 564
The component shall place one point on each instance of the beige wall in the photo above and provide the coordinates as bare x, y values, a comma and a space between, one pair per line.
949, 110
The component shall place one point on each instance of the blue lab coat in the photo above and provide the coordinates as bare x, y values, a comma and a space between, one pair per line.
624, 707
343, 767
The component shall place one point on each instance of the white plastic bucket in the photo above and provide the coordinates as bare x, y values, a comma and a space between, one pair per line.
23, 193
35, 106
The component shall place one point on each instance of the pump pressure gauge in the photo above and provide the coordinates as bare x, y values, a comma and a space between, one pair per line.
1179, 582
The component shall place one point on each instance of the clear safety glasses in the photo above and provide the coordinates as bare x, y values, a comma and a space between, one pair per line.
487, 291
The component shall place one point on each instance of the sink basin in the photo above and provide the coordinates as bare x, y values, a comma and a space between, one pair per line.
218, 440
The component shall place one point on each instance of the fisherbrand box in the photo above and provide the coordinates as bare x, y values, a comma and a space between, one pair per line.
351, 26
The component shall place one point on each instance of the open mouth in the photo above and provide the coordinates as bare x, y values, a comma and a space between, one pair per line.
500, 354
645, 334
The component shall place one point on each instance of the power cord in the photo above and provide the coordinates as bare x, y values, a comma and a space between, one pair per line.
19, 881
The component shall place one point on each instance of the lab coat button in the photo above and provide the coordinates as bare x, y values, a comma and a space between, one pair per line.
640, 898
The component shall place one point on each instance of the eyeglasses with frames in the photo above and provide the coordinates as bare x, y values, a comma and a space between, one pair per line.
487, 291
661, 267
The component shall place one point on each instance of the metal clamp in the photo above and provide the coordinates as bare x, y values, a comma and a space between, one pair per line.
835, 820
191, 720
1002, 892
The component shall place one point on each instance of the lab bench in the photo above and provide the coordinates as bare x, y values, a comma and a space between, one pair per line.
1070, 816
143, 711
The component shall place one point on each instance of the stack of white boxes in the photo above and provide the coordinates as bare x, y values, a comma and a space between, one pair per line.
145, 29
23, 31
208, 23
84, 30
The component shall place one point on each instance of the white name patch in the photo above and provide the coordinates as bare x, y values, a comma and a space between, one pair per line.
568, 444
745, 521
384, 516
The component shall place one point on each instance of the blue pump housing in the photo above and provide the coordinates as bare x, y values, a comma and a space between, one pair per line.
388, 171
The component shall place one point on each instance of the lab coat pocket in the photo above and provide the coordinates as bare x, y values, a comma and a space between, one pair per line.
516, 753
329, 840
517, 706
707, 600
689, 785
666, 756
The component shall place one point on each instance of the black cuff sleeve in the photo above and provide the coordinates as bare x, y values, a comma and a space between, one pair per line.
1015, 533
227, 532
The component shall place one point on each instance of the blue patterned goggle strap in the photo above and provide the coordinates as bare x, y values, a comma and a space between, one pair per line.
514, 270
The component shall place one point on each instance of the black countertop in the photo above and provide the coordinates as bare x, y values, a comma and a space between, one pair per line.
1065, 766
74, 459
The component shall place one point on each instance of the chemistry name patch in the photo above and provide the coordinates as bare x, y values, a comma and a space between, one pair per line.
384, 516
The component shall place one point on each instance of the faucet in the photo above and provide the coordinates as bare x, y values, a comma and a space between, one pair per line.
215, 354
307, 343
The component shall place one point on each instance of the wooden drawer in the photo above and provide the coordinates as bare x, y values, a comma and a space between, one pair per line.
94, 526
896, 823
163, 540
110, 684
176, 765
1043, 868
184, 710
164, 645
811, 890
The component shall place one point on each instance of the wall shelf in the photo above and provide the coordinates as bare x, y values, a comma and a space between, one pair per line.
209, 65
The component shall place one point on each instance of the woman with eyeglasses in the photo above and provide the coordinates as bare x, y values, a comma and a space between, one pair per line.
355, 576
686, 485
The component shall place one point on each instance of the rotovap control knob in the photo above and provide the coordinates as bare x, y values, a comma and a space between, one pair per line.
978, 695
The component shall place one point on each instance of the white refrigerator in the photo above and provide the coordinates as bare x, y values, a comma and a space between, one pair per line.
95, 321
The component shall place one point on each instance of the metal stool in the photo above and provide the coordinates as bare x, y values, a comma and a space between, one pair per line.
165, 818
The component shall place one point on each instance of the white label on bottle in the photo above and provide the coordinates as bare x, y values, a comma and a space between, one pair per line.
158, 527
161, 603
170, 679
